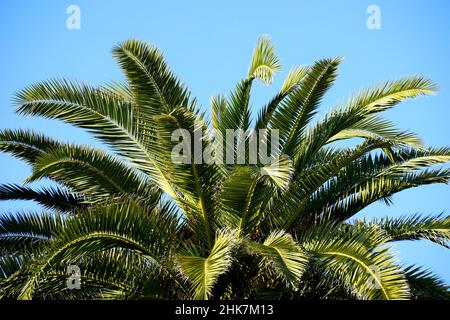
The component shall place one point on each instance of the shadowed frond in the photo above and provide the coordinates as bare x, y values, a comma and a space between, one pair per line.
425, 285
23, 231
49, 197
124, 225
25, 145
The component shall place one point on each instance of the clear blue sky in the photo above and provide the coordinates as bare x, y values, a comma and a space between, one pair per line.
209, 46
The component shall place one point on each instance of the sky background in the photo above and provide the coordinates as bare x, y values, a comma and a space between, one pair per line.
209, 45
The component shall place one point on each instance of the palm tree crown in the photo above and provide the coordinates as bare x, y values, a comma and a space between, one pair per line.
139, 225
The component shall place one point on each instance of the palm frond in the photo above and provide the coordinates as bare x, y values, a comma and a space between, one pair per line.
367, 271
265, 62
365, 103
92, 172
293, 80
124, 225
202, 271
109, 118
299, 107
23, 231
155, 88
374, 127
25, 145
282, 254
415, 227
425, 285
218, 107
49, 197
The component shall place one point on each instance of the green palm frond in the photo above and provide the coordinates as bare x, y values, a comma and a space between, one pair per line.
381, 188
109, 118
308, 181
110, 274
415, 227
203, 271
370, 272
425, 285
236, 196
265, 62
292, 81
218, 107
92, 172
366, 103
282, 254
11, 266
279, 172
194, 182
236, 114
154, 87
25, 145
27, 230
125, 225
375, 127
300, 106
388, 94
49, 197
354, 172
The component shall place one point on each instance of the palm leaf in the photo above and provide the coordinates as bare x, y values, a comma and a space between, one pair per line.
202, 271
415, 227
50, 198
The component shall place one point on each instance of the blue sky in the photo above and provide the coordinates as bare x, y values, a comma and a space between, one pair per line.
208, 44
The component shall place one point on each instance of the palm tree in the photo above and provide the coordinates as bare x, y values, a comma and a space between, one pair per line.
139, 225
